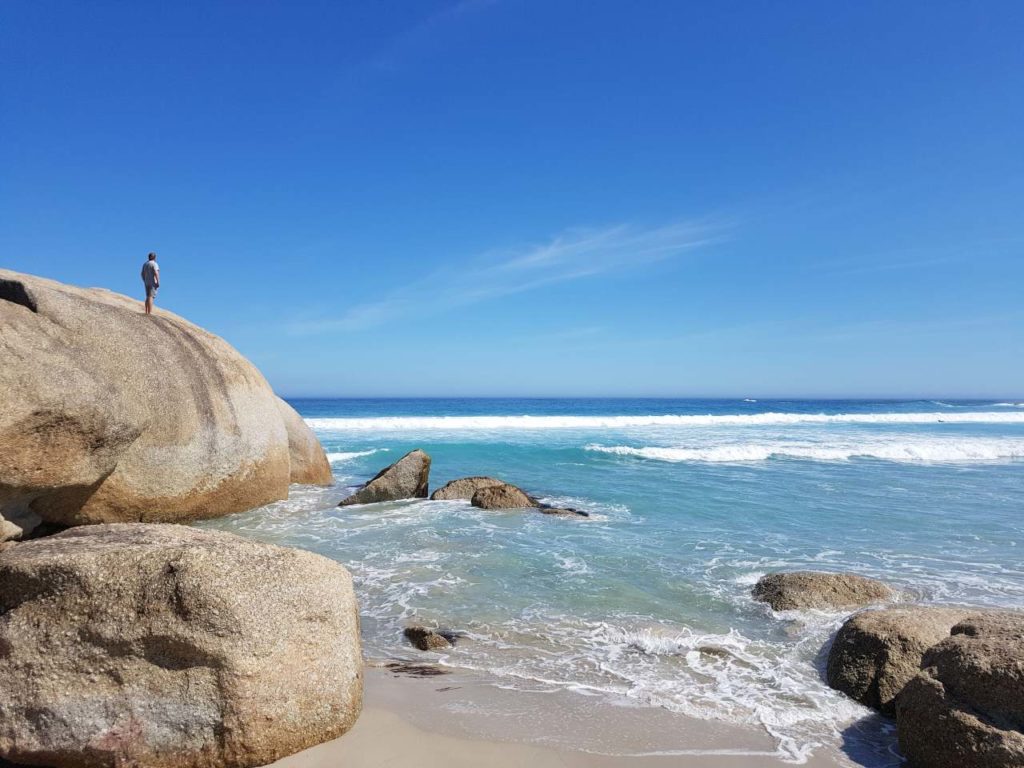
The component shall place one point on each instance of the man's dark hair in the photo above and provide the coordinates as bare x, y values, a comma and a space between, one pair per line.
152, 256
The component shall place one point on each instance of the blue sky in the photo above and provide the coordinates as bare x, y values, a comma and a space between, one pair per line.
539, 198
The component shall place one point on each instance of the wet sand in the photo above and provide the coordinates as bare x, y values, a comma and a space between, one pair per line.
458, 722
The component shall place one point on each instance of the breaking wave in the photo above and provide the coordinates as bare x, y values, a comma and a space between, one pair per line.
427, 423
339, 456
920, 450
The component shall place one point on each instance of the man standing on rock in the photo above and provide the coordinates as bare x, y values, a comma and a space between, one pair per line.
151, 279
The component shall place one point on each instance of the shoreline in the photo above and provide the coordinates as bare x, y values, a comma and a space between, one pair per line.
456, 720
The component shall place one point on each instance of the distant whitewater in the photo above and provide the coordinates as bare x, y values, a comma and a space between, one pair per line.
446, 423
691, 501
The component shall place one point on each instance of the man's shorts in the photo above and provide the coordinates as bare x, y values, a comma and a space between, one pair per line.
151, 291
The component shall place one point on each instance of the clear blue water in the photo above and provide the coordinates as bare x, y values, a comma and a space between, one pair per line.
691, 501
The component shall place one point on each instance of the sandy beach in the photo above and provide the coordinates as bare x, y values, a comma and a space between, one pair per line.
457, 722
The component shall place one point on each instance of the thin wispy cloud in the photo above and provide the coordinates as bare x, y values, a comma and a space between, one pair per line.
572, 255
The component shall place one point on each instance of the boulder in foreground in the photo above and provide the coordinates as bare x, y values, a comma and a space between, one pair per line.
407, 478
965, 708
163, 645
503, 496
877, 652
463, 488
111, 415
818, 590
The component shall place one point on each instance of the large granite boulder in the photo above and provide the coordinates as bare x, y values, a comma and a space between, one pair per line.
965, 708
164, 645
111, 415
877, 652
463, 488
818, 590
407, 478
503, 496
307, 460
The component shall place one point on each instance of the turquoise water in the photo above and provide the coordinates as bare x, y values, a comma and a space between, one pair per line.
691, 501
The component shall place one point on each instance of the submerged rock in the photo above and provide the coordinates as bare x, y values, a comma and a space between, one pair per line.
814, 589
877, 652
163, 645
411, 669
407, 478
463, 488
427, 639
504, 496
562, 511
965, 708
111, 415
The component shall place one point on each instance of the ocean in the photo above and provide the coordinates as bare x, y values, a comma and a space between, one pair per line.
647, 603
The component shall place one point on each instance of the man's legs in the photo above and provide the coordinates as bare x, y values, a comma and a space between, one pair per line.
149, 302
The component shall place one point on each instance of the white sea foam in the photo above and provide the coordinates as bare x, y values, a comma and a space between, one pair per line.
460, 423
338, 456
959, 450
719, 676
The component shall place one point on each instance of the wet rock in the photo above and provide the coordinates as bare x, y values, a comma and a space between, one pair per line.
877, 652
562, 511
407, 478
427, 639
504, 496
172, 647
824, 591
463, 488
410, 669
965, 708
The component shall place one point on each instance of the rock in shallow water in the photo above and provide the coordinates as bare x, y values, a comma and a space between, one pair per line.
504, 496
463, 488
877, 652
818, 590
111, 415
407, 478
427, 639
162, 645
965, 708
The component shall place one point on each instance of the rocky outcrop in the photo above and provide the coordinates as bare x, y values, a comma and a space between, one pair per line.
965, 709
111, 415
427, 639
307, 460
504, 496
407, 478
497, 494
163, 645
823, 591
463, 488
877, 652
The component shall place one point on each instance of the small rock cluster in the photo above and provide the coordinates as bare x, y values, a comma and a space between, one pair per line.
408, 478
952, 677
